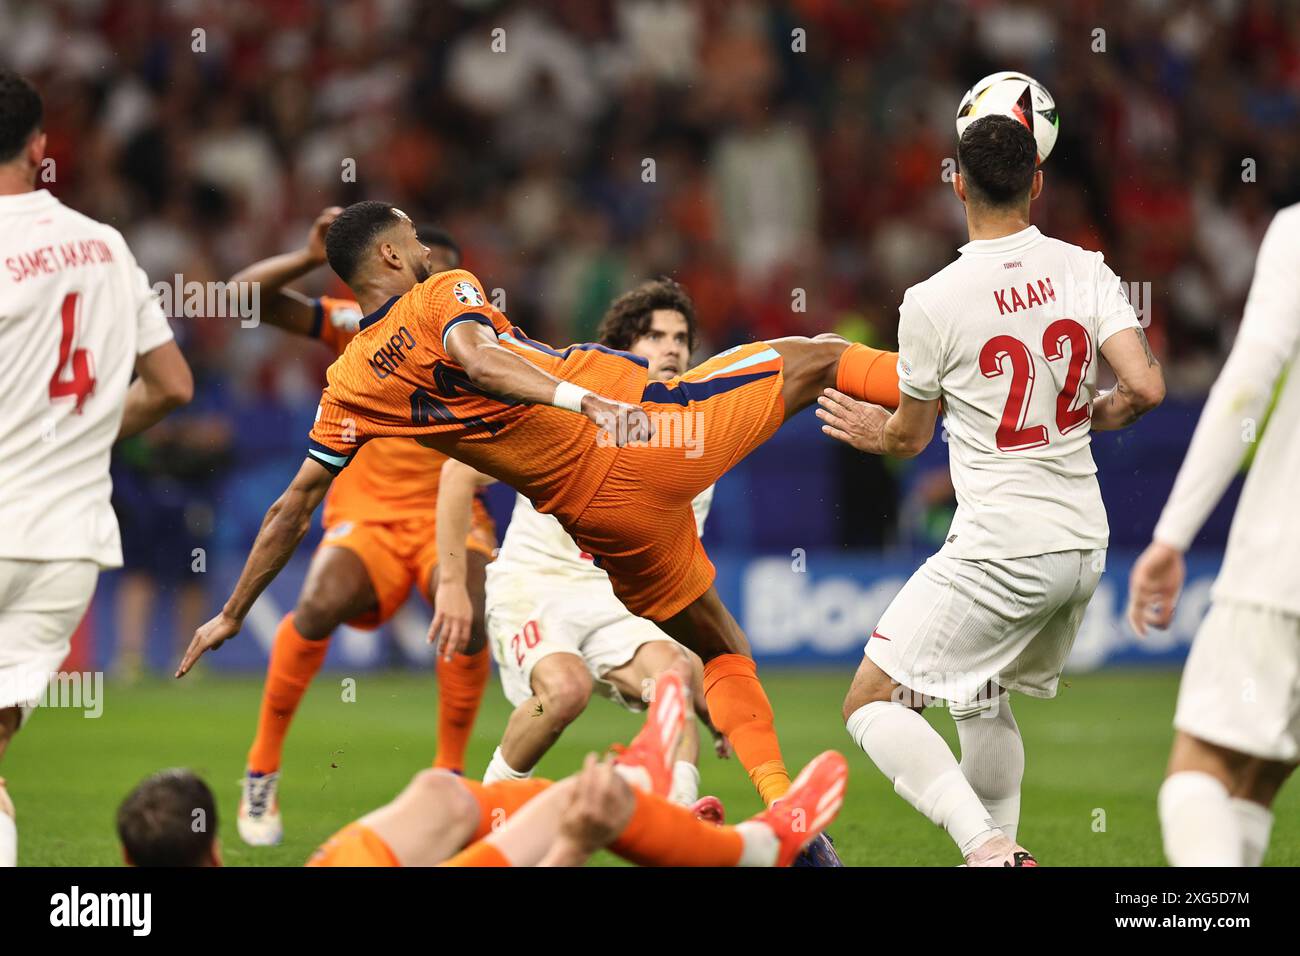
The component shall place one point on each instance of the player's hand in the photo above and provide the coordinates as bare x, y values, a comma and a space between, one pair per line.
208, 638
601, 807
855, 423
1154, 586
721, 745
619, 422
316, 235
453, 616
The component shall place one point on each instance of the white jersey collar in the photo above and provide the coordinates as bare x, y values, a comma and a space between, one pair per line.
996, 247
26, 202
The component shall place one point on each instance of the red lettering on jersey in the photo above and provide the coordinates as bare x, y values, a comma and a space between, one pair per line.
1045, 289
1001, 298
1017, 303
1032, 297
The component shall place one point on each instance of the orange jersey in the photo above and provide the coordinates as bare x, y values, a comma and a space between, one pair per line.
390, 480
396, 379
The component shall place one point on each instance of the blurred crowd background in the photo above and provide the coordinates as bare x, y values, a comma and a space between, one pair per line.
781, 159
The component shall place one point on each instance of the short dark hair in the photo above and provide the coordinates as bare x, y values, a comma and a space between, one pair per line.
170, 819
628, 317
351, 234
432, 235
21, 113
997, 157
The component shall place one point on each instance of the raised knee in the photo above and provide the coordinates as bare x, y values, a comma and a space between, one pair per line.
443, 790
564, 694
315, 616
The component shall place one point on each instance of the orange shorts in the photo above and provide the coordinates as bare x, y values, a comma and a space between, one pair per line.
498, 802
400, 554
355, 845
639, 527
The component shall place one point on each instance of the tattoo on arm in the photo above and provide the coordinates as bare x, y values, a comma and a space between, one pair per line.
1146, 347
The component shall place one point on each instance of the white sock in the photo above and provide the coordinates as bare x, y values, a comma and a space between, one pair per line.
498, 769
8, 841
686, 783
923, 770
1198, 822
1255, 825
760, 845
992, 758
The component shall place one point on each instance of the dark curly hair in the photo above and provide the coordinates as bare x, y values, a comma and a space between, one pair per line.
21, 114
997, 157
628, 316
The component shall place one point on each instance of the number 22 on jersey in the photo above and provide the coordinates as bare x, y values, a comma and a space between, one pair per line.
1014, 433
74, 375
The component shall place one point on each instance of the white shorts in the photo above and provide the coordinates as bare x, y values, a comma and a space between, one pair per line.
586, 620
958, 624
41, 604
1241, 683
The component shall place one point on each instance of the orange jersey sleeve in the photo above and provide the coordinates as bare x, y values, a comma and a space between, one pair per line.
336, 323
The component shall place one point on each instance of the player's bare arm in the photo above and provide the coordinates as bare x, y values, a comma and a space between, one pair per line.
501, 372
285, 525
453, 611
1140, 382
163, 382
872, 429
281, 307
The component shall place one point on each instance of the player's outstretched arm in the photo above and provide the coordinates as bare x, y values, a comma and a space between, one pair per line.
872, 429
281, 307
1140, 383
164, 382
500, 371
453, 611
285, 525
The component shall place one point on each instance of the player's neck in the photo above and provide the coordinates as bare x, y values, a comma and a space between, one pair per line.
985, 224
15, 179
374, 293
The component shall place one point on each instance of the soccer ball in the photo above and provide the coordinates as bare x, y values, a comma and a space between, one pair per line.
1018, 96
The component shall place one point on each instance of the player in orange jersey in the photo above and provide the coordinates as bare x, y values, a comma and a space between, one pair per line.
581, 432
378, 543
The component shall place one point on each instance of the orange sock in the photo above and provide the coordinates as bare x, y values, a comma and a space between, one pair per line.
461, 682
498, 802
740, 709
294, 662
868, 375
481, 853
661, 833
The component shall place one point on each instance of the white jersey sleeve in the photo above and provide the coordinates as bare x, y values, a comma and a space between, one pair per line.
920, 351
1262, 563
75, 311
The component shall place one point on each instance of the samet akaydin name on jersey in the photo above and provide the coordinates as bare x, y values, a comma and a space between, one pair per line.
50, 260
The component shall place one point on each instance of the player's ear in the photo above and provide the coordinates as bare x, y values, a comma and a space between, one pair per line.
36, 149
216, 852
1037, 186
126, 858
388, 252
959, 187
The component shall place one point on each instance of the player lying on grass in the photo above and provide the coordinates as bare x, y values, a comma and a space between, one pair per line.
443, 819
555, 627
379, 542
572, 431
1237, 722
997, 609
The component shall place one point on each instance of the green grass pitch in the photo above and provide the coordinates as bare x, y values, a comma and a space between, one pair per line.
1095, 756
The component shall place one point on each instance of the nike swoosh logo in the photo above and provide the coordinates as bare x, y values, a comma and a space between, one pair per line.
879, 635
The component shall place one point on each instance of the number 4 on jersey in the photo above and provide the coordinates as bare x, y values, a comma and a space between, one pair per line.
1013, 432
74, 375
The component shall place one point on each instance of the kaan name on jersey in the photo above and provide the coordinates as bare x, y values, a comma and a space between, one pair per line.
49, 260
1031, 298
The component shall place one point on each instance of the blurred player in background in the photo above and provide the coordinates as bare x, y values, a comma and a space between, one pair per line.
997, 609
443, 819
379, 542
555, 627
568, 429
78, 317
1238, 718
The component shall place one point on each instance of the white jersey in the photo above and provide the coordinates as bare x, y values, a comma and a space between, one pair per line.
536, 544
1262, 563
75, 311
1009, 337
